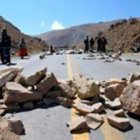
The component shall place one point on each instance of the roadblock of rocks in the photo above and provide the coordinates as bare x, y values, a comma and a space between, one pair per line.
19, 93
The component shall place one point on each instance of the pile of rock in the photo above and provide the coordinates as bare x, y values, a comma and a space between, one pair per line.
96, 98
90, 98
19, 92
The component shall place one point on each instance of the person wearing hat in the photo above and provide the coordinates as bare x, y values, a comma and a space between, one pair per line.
5, 47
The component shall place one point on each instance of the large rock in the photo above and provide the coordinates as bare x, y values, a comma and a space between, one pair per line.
130, 98
85, 109
21, 79
28, 105
9, 75
116, 104
114, 91
77, 124
47, 84
86, 88
94, 121
36, 78
119, 113
15, 93
133, 77
120, 123
14, 125
116, 81
66, 102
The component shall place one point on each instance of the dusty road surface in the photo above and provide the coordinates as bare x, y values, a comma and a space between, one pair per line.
49, 122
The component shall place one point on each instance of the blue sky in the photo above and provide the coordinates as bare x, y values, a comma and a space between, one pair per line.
37, 16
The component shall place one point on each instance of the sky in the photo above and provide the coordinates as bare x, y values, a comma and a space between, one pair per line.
34, 17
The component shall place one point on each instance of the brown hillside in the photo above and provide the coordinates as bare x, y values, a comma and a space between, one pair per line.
124, 36
34, 44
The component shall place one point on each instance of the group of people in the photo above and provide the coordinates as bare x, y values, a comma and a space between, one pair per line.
101, 44
5, 47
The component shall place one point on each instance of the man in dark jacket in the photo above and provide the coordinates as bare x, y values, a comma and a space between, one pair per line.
91, 44
86, 42
104, 42
99, 44
6, 46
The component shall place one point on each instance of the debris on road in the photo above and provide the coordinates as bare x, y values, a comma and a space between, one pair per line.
88, 97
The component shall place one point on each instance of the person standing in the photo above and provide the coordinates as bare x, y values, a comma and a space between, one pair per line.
99, 44
6, 46
104, 42
86, 42
22, 48
91, 44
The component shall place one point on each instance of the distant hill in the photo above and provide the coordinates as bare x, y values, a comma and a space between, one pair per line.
34, 44
74, 35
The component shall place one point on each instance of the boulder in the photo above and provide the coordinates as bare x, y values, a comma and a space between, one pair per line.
9, 75
36, 78
116, 104
14, 125
16, 93
85, 109
130, 97
119, 113
77, 124
64, 101
116, 81
133, 77
86, 88
48, 101
28, 105
114, 91
94, 121
47, 84
2, 112
120, 123
98, 108
21, 79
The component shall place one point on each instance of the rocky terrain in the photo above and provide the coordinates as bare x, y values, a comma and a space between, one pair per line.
124, 34
33, 43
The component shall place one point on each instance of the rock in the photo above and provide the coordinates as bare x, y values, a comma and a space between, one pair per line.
120, 123
86, 88
36, 78
85, 109
87, 102
116, 104
119, 113
98, 108
39, 103
130, 97
21, 79
94, 121
133, 77
114, 91
47, 84
28, 105
53, 94
2, 112
77, 124
64, 101
116, 81
9, 75
13, 125
15, 93
13, 108
48, 101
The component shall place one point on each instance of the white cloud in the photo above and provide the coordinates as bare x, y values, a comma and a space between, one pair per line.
42, 24
57, 26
